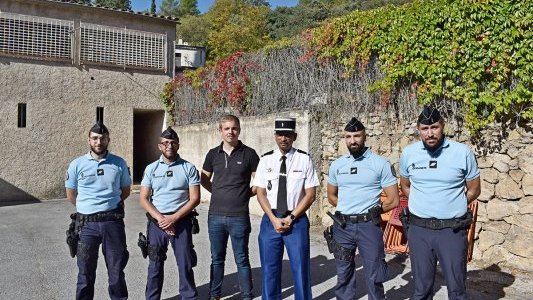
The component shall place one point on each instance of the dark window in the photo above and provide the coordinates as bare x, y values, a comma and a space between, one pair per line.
21, 121
99, 114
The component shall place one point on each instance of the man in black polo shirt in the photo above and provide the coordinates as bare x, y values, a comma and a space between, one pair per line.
231, 166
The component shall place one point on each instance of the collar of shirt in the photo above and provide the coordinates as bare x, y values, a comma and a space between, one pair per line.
366, 154
238, 147
289, 154
90, 157
162, 161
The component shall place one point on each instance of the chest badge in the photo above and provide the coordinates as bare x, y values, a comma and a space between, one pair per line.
353, 170
99, 172
170, 173
432, 164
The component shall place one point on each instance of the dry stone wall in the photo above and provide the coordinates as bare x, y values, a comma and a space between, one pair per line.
505, 157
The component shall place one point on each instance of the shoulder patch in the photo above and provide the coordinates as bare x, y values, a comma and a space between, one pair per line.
268, 153
301, 151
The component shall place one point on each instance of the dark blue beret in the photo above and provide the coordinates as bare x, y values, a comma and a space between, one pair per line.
170, 134
429, 115
354, 125
99, 128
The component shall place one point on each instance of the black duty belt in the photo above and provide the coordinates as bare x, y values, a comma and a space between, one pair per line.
436, 224
359, 218
112, 215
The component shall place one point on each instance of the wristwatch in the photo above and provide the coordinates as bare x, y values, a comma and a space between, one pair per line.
292, 216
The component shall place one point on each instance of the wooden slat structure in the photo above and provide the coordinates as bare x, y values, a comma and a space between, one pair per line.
395, 239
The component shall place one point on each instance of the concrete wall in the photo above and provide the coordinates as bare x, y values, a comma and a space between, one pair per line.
256, 132
61, 107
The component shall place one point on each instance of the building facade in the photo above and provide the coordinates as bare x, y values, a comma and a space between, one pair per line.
64, 66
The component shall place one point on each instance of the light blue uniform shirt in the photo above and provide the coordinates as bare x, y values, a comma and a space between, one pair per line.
170, 183
360, 181
98, 183
438, 178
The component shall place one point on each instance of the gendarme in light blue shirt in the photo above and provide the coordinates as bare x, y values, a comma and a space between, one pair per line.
438, 178
360, 181
170, 183
98, 183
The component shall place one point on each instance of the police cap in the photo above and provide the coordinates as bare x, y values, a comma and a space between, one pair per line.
429, 115
99, 128
170, 134
285, 124
354, 125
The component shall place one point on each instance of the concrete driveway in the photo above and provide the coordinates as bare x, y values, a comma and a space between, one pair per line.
35, 262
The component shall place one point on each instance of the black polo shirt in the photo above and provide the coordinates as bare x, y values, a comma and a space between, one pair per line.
232, 173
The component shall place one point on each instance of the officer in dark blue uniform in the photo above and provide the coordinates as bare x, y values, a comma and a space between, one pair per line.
440, 177
97, 184
170, 190
355, 183
286, 183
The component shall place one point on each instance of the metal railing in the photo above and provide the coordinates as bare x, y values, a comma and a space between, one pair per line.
122, 47
35, 36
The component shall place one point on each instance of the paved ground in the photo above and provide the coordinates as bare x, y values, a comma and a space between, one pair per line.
35, 263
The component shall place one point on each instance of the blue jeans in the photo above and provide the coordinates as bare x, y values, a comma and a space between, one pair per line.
238, 229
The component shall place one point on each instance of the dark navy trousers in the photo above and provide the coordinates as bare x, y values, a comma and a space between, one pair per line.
112, 236
426, 246
369, 238
185, 258
271, 248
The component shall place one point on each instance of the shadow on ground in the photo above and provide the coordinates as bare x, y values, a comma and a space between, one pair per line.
12, 195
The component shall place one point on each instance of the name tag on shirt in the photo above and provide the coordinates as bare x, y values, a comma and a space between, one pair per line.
99, 172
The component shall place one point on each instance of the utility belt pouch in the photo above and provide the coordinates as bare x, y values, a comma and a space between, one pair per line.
338, 251
375, 214
194, 220
404, 219
464, 222
73, 235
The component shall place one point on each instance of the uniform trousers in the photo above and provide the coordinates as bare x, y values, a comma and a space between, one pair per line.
426, 246
185, 258
271, 248
369, 238
112, 236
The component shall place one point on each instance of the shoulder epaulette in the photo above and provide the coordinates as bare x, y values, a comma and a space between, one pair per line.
301, 151
268, 153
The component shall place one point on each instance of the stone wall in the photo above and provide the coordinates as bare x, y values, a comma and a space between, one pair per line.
505, 213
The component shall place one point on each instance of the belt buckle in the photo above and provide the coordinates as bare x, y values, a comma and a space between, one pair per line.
436, 224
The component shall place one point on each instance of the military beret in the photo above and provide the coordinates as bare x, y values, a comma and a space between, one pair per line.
354, 125
170, 134
99, 128
429, 115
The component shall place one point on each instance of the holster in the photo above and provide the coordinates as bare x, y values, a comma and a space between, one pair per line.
195, 225
143, 244
375, 214
73, 235
404, 219
338, 251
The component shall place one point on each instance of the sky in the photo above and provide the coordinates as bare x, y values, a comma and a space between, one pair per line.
203, 5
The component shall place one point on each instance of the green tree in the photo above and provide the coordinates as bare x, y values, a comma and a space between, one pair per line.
169, 8
153, 7
257, 2
193, 30
188, 8
236, 26
119, 4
